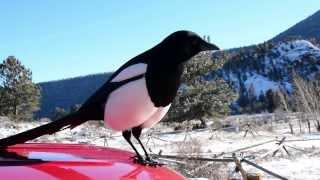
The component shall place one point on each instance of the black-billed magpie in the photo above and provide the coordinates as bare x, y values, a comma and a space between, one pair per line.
136, 96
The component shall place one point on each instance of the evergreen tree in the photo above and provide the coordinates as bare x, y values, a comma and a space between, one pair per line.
19, 95
59, 113
273, 100
262, 97
244, 98
252, 98
199, 98
74, 108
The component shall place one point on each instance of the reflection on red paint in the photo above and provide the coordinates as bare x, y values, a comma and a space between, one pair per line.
73, 161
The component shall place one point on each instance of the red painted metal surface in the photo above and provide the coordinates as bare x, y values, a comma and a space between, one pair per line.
75, 161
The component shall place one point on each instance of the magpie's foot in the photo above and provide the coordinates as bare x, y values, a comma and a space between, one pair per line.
146, 162
154, 163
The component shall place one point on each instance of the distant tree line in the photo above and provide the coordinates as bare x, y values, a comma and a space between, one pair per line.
61, 112
66, 93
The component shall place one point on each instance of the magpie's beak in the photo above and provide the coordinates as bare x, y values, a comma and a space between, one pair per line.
208, 46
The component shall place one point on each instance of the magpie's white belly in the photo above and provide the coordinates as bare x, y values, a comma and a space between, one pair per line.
130, 106
156, 117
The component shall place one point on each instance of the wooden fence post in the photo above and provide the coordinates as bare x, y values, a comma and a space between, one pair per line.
239, 167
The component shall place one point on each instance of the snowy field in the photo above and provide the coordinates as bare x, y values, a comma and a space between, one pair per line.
303, 162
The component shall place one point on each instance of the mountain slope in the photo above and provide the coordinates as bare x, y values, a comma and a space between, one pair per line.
307, 28
253, 71
68, 92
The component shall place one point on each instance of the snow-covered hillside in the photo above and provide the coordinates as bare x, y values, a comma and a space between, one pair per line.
271, 68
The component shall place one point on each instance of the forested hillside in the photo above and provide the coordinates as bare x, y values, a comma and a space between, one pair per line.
258, 72
68, 92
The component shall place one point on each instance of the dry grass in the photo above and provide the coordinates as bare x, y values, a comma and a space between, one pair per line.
193, 168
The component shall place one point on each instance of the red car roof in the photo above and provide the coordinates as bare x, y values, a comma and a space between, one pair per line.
75, 161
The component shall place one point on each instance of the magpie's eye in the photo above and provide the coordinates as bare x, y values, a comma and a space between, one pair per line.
194, 42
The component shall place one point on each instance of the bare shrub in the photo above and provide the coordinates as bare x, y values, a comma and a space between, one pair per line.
307, 99
269, 128
189, 125
194, 168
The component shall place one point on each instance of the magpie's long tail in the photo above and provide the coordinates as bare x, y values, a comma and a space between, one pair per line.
69, 121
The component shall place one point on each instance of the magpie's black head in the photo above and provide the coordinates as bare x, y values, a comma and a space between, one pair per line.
183, 45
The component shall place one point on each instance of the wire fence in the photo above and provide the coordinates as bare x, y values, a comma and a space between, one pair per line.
281, 144
234, 155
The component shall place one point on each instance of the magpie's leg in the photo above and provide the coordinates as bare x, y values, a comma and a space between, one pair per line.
127, 136
136, 132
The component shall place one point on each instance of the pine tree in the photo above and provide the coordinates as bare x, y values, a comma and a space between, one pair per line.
74, 108
199, 98
59, 113
273, 100
252, 98
19, 95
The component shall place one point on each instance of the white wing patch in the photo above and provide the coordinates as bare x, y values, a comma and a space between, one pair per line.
130, 72
156, 117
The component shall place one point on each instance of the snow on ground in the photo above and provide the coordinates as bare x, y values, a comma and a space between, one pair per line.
295, 49
260, 84
302, 164
304, 167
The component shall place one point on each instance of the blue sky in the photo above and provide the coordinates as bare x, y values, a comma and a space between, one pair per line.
59, 39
